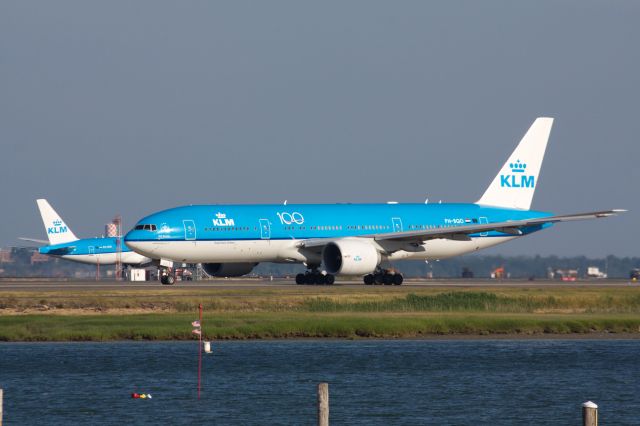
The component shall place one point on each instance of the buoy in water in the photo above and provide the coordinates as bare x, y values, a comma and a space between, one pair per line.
207, 347
141, 395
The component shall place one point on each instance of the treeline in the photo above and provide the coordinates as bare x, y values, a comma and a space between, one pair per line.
483, 266
20, 263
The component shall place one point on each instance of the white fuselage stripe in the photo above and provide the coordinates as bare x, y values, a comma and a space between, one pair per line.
287, 250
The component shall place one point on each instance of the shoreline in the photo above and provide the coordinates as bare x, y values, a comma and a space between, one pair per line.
599, 336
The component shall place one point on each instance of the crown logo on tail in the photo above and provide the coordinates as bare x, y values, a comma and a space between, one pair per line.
57, 222
518, 167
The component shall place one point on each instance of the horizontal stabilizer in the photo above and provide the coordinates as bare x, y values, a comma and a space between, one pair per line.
33, 240
59, 251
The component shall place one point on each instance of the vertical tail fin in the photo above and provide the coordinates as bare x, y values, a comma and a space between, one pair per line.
57, 231
515, 183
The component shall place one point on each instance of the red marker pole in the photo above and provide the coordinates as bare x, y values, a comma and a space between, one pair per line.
200, 350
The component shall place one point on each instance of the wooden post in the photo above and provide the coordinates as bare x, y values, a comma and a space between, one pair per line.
199, 350
323, 404
589, 414
0, 407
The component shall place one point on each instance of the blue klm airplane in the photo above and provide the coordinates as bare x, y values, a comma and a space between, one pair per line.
63, 243
353, 239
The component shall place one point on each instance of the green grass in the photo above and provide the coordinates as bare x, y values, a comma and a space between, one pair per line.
293, 325
465, 301
593, 300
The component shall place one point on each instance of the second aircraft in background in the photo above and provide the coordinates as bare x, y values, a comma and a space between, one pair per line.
63, 243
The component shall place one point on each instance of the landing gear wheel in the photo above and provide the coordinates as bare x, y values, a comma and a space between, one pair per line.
378, 279
309, 278
167, 279
315, 277
384, 276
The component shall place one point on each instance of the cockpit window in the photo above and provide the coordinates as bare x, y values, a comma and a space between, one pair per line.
145, 227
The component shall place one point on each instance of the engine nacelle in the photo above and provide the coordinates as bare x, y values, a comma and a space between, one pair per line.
227, 269
350, 257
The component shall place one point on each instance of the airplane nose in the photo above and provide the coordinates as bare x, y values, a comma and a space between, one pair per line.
131, 238
127, 237
133, 241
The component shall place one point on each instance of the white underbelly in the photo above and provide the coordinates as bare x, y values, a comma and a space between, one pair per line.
129, 258
220, 251
102, 259
443, 248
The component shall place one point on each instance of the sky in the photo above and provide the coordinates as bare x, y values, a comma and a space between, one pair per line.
130, 107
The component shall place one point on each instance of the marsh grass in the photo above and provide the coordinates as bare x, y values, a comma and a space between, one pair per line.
336, 299
478, 302
300, 325
316, 313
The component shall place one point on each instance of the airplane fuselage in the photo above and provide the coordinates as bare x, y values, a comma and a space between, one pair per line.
94, 251
272, 233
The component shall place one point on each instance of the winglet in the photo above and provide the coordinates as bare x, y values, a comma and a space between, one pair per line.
516, 182
57, 231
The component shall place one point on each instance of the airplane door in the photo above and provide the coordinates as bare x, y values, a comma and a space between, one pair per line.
189, 230
92, 250
481, 220
397, 224
265, 229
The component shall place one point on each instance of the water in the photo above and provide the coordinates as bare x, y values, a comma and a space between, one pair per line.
274, 382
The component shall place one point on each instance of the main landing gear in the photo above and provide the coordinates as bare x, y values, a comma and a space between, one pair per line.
384, 276
315, 277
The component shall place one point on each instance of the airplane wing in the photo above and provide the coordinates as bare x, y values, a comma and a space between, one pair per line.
34, 240
462, 232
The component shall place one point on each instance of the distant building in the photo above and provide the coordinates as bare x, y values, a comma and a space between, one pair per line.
5, 256
565, 274
39, 258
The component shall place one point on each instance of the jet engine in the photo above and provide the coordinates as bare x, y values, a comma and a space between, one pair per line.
350, 257
227, 269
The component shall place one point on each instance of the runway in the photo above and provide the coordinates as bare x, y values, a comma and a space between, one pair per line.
280, 283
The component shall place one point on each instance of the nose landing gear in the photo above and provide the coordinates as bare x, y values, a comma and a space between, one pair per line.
166, 277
